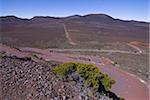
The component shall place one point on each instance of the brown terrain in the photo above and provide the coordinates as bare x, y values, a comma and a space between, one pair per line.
86, 31
119, 48
127, 85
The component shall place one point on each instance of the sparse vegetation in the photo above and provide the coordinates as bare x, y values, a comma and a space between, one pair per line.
64, 69
90, 73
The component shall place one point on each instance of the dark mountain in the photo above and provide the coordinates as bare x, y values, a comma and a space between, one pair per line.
105, 19
72, 17
82, 29
46, 19
93, 18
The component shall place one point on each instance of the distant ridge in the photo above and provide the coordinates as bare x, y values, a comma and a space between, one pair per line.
88, 30
73, 17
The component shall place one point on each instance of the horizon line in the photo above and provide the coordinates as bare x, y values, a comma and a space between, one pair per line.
81, 15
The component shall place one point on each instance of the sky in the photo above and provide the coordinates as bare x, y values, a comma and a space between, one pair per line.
122, 9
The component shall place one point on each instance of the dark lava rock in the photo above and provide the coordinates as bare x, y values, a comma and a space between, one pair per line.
24, 79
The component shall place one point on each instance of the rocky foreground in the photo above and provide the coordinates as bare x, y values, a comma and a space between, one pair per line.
26, 79
28, 75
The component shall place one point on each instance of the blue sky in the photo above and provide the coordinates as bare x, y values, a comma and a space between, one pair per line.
122, 9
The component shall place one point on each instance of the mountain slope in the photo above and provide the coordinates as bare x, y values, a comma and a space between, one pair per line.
49, 31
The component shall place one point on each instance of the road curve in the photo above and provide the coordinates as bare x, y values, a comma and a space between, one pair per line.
136, 48
127, 85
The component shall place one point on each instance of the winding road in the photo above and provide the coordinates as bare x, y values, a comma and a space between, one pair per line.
127, 85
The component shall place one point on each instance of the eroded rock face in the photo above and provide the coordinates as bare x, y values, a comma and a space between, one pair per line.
25, 79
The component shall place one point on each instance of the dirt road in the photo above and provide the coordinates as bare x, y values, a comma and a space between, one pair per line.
127, 85
136, 48
68, 36
93, 50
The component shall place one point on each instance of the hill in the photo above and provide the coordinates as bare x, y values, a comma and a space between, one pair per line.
83, 31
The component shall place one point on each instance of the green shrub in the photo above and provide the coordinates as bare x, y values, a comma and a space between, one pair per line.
64, 69
90, 73
107, 82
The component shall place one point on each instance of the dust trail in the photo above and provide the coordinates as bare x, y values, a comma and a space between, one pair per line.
67, 36
135, 47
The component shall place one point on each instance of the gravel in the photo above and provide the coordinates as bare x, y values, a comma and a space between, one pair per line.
25, 79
